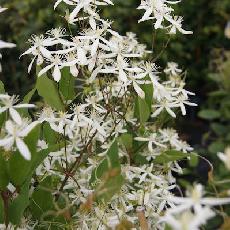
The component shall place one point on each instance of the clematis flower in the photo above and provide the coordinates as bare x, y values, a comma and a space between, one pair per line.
172, 69
164, 104
195, 200
160, 11
188, 220
15, 134
152, 139
8, 103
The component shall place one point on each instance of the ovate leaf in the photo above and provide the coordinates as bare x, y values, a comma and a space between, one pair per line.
141, 111
171, 155
106, 179
209, 114
48, 90
19, 204
67, 84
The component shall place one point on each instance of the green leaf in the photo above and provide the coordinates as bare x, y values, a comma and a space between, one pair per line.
141, 110
194, 159
219, 129
109, 187
127, 140
216, 146
47, 89
41, 155
4, 178
209, 114
50, 136
2, 88
171, 155
110, 162
148, 89
42, 199
66, 84
106, 178
19, 204
29, 96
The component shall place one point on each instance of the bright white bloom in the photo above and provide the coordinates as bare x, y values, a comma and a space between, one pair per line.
152, 140
172, 69
188, 220
195, 200
160, 11
8, 103
15, 134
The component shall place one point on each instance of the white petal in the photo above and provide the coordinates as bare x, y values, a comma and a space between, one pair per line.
56, 73
122, 75
15, 116
44, 70
23, 149
46, 53
94, 47
74, 71
28, 128
138, 90
6, 141
9, 127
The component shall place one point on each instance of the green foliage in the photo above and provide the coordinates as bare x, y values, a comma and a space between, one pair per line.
19, 204
169, 156
67, 84
42, 199
106, 178
48, 90
217, 109
209, 114
142, 111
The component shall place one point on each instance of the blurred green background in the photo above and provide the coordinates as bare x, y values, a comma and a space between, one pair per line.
195, 53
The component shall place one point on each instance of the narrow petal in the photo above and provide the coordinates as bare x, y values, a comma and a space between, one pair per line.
56, 73
23, 149
15, 116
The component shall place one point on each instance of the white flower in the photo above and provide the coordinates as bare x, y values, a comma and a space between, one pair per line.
160, 11
188, 220
152, 139
167, 105
15, 134
181, 101
9, 103
225, 157
172, 69
195, 201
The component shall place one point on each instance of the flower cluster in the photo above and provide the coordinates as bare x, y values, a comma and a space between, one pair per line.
161, 12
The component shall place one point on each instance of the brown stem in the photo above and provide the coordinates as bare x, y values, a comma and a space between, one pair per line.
5, 198
73, 168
